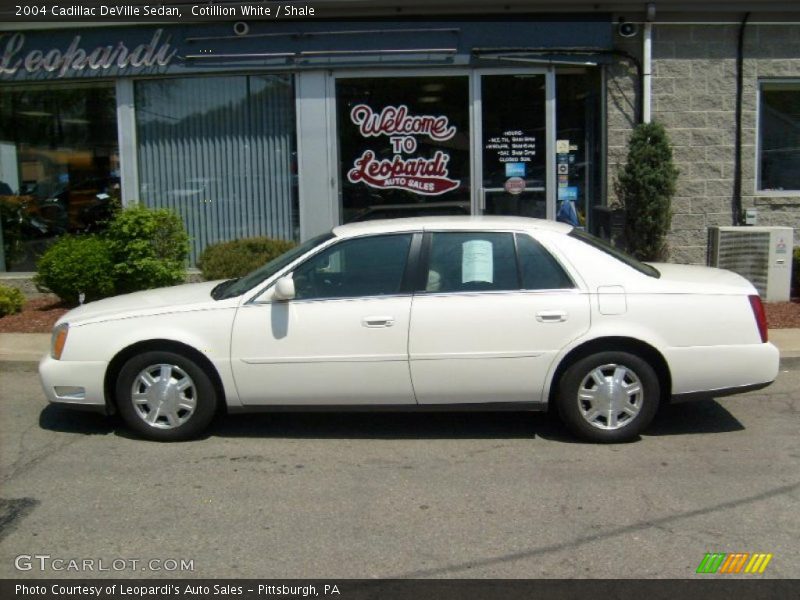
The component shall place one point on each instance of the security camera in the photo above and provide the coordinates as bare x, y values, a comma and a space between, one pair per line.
241, 28
627, 29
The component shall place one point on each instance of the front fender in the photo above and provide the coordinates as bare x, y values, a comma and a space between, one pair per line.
207, 331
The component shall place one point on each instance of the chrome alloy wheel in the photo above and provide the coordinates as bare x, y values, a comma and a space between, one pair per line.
610, 397
164, 396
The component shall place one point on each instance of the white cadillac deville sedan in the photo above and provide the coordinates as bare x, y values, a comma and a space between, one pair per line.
421, 314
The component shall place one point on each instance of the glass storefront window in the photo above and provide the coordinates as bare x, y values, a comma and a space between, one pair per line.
221, 152
779, 136
578, 147
404, 146
59, 165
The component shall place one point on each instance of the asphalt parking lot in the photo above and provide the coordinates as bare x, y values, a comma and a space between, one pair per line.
400, 495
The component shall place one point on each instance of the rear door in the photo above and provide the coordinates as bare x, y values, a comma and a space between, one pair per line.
493, 311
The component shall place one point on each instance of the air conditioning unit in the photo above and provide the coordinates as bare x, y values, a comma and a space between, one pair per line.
762, 255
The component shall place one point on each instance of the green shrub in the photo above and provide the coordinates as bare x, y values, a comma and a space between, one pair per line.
239, 257
75, 265
645, 187
11, 300
149, 248
796, 273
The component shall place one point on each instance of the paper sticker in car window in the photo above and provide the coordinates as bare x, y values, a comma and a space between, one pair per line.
477, 261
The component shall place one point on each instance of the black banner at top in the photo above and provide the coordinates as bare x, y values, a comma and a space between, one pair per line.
174, 11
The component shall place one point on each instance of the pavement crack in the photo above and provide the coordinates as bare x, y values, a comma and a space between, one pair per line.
660, 523
26, 460
12, 511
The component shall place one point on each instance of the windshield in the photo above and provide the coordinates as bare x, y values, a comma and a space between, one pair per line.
235, 287
621, 256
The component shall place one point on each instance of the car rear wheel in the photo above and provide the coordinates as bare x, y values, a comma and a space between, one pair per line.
165, 396
608, 397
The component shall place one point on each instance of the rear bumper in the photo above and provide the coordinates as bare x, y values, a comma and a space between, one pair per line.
77, 384
692, 396
721, 370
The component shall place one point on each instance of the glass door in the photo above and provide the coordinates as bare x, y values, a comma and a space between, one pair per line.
403, 145
513, 120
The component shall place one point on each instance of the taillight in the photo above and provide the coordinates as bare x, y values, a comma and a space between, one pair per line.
760, 315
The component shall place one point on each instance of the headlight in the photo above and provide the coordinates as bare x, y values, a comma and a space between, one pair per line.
59, 340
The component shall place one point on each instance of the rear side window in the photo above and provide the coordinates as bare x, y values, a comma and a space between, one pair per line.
469, 262
539, 270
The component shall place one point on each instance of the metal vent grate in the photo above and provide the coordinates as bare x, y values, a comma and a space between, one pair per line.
746, 253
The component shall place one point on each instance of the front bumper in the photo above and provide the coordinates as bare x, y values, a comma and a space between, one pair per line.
77, 384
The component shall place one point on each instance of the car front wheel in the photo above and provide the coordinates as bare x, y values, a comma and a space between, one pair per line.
165, 396
608, 397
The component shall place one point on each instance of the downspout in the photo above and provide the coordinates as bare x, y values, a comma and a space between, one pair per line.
736, 204
647, 67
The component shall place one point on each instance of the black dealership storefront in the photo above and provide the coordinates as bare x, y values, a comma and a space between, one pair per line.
286, 129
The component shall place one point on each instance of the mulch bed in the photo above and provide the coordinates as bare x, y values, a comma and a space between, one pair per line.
40, 314
781, 315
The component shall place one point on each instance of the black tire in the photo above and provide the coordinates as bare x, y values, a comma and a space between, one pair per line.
183, 423
582, 415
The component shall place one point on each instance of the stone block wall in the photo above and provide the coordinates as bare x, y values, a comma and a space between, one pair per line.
694, 96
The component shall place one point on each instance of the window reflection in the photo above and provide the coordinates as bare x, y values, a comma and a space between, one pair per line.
59, 165
780, 136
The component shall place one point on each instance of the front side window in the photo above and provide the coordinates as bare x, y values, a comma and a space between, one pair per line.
470, 262
368, 266
779, 136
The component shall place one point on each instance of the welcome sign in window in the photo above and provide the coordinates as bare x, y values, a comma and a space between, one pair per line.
403, 146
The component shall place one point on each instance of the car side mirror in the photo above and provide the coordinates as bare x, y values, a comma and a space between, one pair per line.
284, 289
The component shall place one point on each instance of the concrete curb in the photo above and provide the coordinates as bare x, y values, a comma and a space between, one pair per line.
23, 347
30, 347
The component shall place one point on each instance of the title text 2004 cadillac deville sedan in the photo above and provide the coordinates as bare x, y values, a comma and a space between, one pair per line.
428, 313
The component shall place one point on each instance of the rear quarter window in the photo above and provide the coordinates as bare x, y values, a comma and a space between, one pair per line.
538, 268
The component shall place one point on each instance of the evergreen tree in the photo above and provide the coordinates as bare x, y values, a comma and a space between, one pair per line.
645, 187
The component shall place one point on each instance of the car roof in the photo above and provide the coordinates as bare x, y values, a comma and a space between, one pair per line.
456, 222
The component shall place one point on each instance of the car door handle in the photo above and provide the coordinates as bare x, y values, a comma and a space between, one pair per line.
377, 321
551, 316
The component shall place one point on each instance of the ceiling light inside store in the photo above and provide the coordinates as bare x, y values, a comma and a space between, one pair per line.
34, 113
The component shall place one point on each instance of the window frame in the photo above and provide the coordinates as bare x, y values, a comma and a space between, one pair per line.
758, 190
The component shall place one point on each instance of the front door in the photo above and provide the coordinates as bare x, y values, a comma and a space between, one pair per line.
511, 158
342, 341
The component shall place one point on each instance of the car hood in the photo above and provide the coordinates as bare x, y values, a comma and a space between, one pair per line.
706, 279
191, 296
